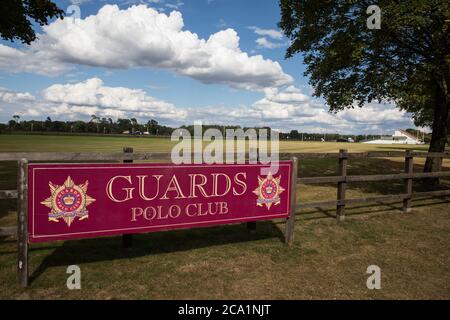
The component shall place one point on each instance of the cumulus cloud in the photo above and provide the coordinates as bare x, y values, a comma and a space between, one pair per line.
33, 61
8, 96
79, 2
92, 97
264, 43
274, 34
140, 36
372, 113
83, 99
290, 108
286, 109
13, 102
177, 5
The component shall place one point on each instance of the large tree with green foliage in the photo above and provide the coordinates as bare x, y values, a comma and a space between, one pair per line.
406, 61
16, 14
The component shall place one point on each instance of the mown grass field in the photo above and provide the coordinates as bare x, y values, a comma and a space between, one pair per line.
48, 143
327, 260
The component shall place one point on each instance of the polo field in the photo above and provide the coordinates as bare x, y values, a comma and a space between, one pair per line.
326, 259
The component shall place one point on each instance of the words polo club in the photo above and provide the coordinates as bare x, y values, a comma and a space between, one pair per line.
154, 188
68, 201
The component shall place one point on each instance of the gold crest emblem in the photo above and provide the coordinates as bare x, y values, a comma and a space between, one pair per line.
68, 201
268, 191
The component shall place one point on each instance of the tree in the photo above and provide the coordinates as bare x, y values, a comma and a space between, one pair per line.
134, 123
15, 23
14, 123
294, 134
123, 125
48, 123
406, 61
152, 126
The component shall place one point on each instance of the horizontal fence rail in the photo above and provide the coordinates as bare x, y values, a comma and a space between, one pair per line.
341, 180
372, 177
119, 156
358, 155
388, 197
8, 194
8, 231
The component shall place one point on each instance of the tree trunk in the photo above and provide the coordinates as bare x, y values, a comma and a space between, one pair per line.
440, 130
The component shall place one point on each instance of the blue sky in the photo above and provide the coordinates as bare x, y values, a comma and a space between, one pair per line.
157, 59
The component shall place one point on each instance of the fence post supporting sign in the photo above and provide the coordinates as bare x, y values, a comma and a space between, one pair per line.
22, 223
290, 222
409, 167
127, 239
342, 185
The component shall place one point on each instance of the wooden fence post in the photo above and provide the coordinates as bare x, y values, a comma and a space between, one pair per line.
342, 185
252, 156
290, 222
409, 167
22, 223
127, 239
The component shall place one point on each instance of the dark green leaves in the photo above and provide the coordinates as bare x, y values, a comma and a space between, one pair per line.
14, 23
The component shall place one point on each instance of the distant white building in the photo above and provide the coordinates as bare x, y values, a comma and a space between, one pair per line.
399, 137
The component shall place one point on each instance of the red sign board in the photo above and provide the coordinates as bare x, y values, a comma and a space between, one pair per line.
72, 201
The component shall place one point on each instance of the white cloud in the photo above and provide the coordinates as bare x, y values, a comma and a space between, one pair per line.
274, 34
287, 109
175, 6
92, 97
290, 108
263, 42
142, 37
136, 2
8, 96
13, 102
33, 61
83, 99
372, 113
79, 2
222, 23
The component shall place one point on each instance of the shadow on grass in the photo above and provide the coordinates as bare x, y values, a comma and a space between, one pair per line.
366, 209
6, 239
327, 212
369, 166
402, 147
110, 248
7, 205
8, 174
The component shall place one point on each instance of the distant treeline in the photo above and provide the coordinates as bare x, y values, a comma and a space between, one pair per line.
106, 126
96, 125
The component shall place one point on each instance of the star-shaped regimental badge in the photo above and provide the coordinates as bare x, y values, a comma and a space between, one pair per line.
268, 191
68, 201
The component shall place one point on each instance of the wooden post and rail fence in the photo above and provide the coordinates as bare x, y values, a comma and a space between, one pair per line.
341, 180
128, 156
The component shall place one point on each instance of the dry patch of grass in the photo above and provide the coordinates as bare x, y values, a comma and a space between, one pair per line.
327, 260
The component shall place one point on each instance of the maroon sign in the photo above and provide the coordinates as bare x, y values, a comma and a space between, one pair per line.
70, 201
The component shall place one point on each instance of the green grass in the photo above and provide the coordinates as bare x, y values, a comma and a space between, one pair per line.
48, 143
327, 260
